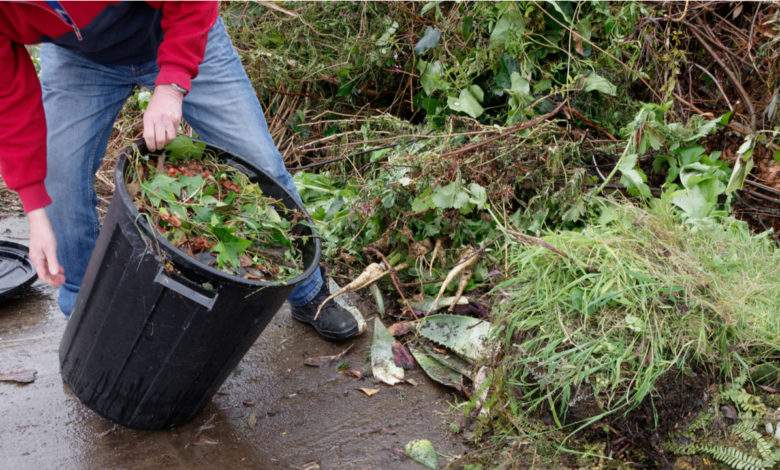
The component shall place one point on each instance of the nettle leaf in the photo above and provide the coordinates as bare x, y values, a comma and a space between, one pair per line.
230, 247
466, 102
431, 76
451, 196
478, 195
184, 148
423, 201
595, 82
162, 188
191, 183
632, 177
429, 40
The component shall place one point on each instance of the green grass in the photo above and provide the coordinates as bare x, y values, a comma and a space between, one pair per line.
640, 297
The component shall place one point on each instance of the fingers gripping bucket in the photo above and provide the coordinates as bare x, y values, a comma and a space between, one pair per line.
146, 346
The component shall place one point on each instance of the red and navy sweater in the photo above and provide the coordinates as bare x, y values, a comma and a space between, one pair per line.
107, 32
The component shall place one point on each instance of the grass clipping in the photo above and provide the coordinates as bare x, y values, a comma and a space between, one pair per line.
215, 213
639, 298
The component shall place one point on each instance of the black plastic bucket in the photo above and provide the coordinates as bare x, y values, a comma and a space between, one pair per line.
146, 348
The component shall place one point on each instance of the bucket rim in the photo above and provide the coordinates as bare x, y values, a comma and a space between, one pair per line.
182, 257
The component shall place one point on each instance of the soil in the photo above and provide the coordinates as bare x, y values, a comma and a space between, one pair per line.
637, 436
272, 412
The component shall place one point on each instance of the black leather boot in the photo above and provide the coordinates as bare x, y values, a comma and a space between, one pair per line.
334, 323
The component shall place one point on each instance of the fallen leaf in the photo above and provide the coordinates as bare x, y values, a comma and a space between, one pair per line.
205, 441
319, 361
311, 466
21, 376
466, 336
401, 356
401, 328
382, 365
453, 361
252, 420
422, 452
437, 371
369, 391
412, 382
358, 374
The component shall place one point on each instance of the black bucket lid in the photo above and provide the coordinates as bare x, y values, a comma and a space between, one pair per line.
16, 270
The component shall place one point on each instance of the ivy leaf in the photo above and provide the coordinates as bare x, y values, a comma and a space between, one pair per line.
230, 247
511, 22
466, 103
184, 148
595, 82
431, 76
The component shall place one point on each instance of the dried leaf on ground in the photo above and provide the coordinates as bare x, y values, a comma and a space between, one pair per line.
401, 328
252, 419
422, 452
369, 391
466, 336
382, 364
437, 371
21, 376
205, 441
401, 356
319, 361
358, 374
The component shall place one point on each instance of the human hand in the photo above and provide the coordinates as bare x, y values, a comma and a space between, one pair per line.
43, 249
162, 117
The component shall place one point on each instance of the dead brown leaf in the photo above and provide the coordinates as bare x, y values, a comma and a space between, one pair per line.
369, 391
358, 374
402, 357
319, 361
401, 328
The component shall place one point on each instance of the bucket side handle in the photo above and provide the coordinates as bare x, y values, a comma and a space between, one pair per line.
185, 291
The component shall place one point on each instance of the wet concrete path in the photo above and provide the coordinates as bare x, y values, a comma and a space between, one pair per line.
273, 411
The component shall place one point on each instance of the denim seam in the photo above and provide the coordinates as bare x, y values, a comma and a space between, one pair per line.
311, 295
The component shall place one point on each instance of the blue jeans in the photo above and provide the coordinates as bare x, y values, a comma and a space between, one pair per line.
82, 100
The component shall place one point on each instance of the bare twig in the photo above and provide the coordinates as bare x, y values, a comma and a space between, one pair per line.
734, 80
509, 130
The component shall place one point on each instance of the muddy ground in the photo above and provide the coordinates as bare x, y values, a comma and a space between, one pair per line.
272, 412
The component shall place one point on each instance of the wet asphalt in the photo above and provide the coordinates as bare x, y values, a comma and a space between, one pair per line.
272, 412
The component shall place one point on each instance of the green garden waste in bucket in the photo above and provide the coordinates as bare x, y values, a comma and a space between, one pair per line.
147, 346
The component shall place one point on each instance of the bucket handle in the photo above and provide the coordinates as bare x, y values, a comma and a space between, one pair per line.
187, 292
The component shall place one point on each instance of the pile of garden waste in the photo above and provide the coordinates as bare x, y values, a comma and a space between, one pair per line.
215, 213
567, 213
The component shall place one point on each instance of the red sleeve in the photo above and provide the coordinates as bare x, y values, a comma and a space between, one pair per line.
185, 28
22, 126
